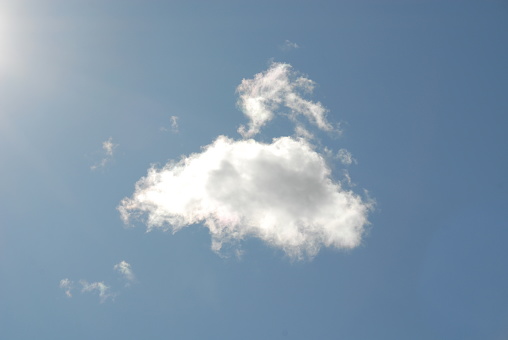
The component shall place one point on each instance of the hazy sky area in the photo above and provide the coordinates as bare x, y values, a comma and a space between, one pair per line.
253, 170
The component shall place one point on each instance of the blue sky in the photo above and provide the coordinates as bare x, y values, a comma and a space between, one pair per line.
277, 236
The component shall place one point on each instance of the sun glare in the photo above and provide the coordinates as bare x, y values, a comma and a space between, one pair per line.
7, 37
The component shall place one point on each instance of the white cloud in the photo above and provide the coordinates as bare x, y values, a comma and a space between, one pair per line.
125, 269
347, 178
174, 123
108, 148
100, 287
345, 157
278, 87
66, 284
281, 192
302, 132
289, 45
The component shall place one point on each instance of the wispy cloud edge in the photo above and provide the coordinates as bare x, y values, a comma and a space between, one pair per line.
261, 97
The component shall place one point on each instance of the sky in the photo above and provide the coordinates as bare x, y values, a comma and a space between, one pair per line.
253, 170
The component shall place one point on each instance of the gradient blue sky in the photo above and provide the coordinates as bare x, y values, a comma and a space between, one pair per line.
418, 87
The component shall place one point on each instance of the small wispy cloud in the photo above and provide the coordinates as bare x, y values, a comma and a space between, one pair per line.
264, 95
108, 148
345, 157
347, 179
125, 269
173, 125
289, 45
66, 285
302, 132
99, 287
103, 290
